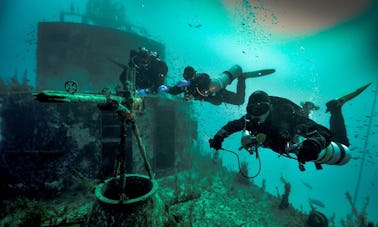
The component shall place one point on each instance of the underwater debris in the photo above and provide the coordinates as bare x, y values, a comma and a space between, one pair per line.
356, 218
263, 185
285, 197
55, 187
215, 205
317, 219
23, 212
240, 178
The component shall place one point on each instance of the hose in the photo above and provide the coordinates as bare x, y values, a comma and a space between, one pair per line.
240, 168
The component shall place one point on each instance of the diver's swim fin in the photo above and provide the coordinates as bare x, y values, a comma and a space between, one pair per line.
258, 73
340, 101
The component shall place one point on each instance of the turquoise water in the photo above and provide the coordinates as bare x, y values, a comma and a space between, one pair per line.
317, 57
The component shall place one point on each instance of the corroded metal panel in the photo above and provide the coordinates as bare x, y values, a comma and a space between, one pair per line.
169, 130
81, 52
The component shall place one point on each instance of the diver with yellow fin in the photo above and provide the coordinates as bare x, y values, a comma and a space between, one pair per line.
281, 125
200, 86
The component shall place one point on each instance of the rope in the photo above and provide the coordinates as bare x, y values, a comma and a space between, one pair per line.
365, 148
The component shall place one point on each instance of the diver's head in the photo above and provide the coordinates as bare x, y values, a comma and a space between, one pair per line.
259, 106
201, 84
189, 73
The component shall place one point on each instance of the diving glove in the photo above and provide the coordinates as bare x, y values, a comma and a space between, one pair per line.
163, 88
216, 142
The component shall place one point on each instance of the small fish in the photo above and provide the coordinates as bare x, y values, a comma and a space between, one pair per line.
316, 202
195, 26
371, 162
306, 184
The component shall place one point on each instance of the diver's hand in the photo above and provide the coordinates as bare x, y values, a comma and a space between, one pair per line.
308, 151
143, 92
216, 142
163, 88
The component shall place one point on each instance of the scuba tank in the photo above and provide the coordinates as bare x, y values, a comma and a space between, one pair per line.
225, 78
334, 154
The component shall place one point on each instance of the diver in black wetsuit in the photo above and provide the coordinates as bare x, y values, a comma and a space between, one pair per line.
275, 123
337, 123
150, 71
199, 86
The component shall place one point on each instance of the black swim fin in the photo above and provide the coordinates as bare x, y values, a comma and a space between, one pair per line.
258, 73
340, 101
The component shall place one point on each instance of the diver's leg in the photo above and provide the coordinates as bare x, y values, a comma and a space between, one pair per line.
238, 98
232, 97
240, 90
337, 123
214, 99
225, 96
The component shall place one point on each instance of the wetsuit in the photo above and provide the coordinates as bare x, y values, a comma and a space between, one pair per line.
225, 96
222, 96
285, 122
337, 124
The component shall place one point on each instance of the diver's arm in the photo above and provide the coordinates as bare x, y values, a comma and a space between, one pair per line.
175, 90
231, 127
179, 88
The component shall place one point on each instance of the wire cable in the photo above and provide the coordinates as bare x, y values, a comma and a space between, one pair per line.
365, 148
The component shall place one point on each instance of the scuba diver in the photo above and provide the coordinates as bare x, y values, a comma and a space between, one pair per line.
199, 86
150, 70
281, 125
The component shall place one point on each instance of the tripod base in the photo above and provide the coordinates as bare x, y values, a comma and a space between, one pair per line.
140, 207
